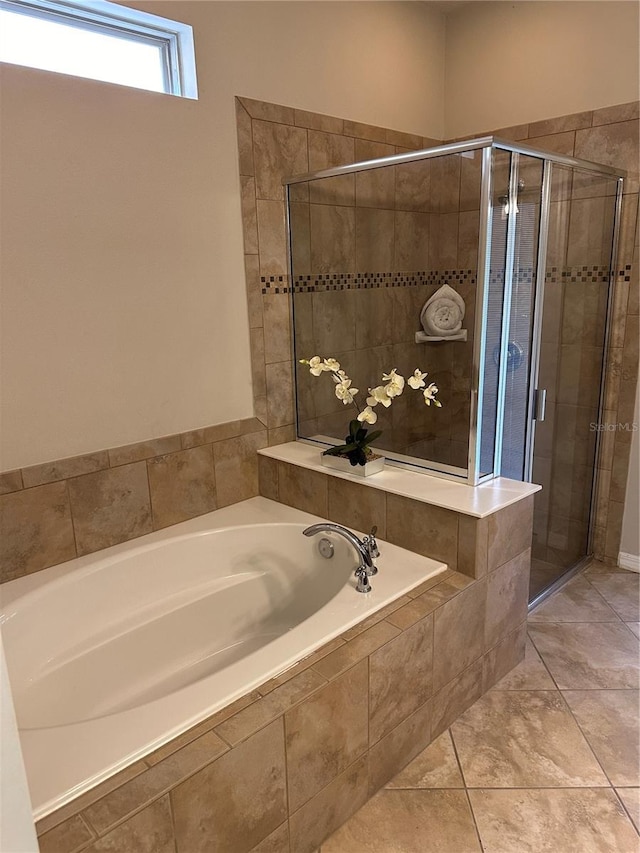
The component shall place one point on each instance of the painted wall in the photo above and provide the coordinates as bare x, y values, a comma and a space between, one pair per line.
630, 541
513, 63
124, 311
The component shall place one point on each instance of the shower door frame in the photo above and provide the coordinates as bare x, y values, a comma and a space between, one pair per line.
487, 144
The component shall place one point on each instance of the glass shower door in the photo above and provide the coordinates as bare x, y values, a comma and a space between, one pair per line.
571, 355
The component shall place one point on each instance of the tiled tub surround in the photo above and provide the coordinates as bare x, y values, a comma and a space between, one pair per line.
191, 619
286, 765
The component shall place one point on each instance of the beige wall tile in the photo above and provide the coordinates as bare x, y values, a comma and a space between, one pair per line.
455, 697
404, 140
560, 143
254, 290
300, 224
458, 634
249, 214
413, 187
110, 507
473, 544
257, 715
357, 507
10, 481
394, 751
236, 467
277, 842
558, 125
279, 394
236, 802
264, 111
411, 241
268, 477
405, 661
372, 330
503, 657
281, 435
510, 532
507, 595
333, 239
305, 490
67, 837
271, 234
146, 787
621, 112
36, 530
92, 796
364, 131
614, 529
317, 121
356, 650
425, 529
245, 140
613, 145
445, 184
258, 370
150, 831
182, 485
38, 475
374, 240
326, 734
329, 809
374, 187
144, 450
280, 151
334, 326
277, 327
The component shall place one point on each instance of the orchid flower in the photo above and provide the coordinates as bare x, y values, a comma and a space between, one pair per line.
332, 365
417, 380
367, 416
430, 395
395, 385
344, 391
378, 395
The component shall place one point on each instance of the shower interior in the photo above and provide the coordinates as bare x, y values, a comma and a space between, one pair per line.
528, 239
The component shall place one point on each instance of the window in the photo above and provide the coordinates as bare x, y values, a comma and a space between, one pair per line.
101, 41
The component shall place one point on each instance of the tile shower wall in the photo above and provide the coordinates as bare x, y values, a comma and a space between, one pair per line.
609, 136
286, 765
368, 250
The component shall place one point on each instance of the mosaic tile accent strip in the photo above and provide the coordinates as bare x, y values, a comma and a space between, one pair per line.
320, 282
363, 280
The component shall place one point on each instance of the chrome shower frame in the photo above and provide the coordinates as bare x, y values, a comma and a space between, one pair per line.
473, 476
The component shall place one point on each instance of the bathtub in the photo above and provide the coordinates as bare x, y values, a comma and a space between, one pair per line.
114, 654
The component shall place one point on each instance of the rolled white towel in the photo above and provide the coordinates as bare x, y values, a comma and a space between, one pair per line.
442, 317
443, 313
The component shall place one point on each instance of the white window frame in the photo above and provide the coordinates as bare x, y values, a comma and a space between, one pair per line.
173, 38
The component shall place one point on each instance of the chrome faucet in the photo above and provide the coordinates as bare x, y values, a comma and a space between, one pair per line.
366, 549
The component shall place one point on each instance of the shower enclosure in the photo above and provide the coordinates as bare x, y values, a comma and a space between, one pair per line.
527, 238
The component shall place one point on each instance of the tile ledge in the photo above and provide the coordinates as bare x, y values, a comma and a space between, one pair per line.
477, 501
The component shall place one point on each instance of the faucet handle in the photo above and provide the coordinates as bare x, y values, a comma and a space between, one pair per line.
363, 584
370, 542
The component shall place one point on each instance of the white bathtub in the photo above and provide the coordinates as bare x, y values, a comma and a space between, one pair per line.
112, 655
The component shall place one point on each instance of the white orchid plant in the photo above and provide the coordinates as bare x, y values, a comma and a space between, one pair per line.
356, 446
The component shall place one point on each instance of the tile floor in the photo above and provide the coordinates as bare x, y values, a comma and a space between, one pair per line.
548, 760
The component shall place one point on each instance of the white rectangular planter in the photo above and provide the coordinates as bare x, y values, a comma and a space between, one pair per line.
341, 463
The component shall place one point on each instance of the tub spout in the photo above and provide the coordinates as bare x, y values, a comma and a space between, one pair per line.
366, 566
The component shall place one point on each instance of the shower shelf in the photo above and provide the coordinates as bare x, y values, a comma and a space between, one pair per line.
423, 338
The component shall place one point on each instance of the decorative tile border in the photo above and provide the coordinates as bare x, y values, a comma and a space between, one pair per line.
321, 282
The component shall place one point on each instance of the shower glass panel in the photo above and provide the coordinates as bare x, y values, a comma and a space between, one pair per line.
525, 237
368, 249
572, 345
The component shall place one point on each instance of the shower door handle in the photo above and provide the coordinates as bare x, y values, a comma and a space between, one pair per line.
541, 404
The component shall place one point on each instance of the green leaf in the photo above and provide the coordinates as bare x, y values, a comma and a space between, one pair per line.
372, 437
